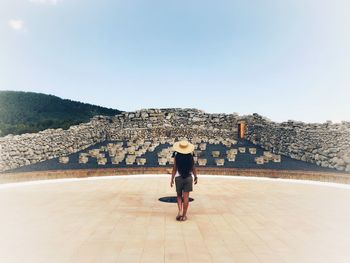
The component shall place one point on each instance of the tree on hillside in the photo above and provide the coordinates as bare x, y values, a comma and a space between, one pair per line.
23, 112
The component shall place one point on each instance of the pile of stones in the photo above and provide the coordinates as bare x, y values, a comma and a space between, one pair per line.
267, 157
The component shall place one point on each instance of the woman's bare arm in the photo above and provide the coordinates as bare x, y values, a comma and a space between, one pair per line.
173, 172
194, 171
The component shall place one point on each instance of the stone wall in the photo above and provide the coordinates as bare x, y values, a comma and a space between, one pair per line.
325, 144
19, 150
25, 149
148, 123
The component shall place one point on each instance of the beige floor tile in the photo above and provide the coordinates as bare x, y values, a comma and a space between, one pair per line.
121, 220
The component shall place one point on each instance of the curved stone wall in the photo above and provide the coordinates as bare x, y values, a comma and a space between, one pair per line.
325, 144
151, 123
20, 150
25, 149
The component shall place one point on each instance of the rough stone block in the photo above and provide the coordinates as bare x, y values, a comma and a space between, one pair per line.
220, 161
203, 146
130, 159
232, 152
241, 149
63, 159
141, 161
101, 161
198, 153
252, 150
202, 161
215, 154
231, 158
83, 159
94, 152
276, 158
259, 160
162, 161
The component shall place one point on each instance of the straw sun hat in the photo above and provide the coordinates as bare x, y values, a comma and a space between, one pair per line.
183, 147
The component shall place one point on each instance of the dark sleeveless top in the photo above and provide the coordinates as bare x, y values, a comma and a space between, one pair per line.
184, 163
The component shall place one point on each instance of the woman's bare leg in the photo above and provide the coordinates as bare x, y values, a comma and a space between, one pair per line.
185, 204
179, 204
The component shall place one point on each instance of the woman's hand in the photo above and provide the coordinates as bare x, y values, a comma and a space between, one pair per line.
195, 180
171, 182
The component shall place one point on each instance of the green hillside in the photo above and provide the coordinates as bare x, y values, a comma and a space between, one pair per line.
22, 112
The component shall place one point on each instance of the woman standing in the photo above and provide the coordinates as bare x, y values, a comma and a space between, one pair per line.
182, 173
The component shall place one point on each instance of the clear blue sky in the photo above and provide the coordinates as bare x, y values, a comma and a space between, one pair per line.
285, 59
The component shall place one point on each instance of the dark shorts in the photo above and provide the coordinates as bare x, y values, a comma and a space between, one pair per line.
183, 184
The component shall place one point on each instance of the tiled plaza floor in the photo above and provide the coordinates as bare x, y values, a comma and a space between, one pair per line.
119, 219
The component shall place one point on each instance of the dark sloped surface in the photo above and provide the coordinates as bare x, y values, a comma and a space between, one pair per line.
243, 160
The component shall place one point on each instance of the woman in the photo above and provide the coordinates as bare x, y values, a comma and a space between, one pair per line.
182, 172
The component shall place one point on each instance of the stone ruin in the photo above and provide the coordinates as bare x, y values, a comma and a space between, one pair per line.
324, 144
